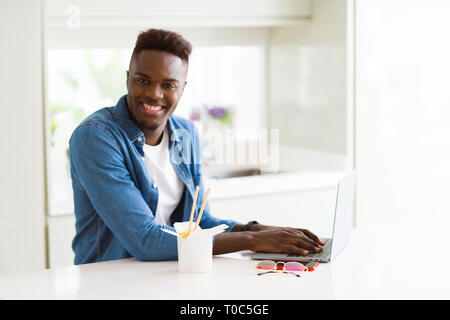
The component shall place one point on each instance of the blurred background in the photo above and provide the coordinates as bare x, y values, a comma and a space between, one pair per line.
287, 95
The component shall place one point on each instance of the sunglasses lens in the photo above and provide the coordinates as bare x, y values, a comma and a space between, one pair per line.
266, 264
294, 266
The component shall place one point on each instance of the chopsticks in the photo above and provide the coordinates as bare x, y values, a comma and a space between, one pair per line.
186, 233
193, 209
201, 210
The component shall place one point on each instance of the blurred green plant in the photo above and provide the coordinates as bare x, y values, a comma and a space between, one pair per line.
70, 80
57, 108
111, 78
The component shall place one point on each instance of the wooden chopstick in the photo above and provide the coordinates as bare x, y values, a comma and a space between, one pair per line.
201, 210
192, 211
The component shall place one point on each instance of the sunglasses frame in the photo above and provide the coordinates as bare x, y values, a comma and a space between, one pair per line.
281, 269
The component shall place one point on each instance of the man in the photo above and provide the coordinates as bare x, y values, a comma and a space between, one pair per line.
135, 167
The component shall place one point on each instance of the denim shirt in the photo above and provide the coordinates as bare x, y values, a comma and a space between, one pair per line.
114, 197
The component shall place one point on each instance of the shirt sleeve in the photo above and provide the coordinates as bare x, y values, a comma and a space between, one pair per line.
98, 166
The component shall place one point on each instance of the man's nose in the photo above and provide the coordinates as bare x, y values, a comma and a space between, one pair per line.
154, 91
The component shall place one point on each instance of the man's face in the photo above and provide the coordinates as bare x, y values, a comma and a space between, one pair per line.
155, 83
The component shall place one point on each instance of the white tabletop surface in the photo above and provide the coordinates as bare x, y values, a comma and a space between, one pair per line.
408, 261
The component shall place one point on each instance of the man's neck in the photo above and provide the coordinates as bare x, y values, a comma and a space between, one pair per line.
154, 137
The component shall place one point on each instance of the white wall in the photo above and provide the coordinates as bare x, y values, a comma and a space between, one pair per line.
22, 202
402, 110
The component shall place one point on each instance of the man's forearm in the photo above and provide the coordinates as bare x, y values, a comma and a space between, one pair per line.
232, 241
236, 240
254, 227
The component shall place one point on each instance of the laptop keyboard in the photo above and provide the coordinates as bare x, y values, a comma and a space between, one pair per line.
324, 253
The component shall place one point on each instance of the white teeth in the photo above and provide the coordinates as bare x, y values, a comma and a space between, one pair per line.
152, 108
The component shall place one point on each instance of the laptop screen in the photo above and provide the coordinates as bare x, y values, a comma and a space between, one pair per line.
343, 218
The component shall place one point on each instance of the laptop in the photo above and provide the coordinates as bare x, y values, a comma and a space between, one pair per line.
343, 219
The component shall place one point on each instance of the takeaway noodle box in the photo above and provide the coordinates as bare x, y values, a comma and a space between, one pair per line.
195, 252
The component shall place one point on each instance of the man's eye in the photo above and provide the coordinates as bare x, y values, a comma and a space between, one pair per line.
141, 81
169, 86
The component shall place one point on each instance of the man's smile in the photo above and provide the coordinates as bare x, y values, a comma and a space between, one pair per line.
152, 109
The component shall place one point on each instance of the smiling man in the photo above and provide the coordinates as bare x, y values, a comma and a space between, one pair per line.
135, 167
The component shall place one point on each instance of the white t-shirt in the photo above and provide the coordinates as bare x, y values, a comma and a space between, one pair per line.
170, 187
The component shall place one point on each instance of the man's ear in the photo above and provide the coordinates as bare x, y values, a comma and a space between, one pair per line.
128, 75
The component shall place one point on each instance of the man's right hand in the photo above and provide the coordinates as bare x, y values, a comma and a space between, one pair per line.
285, 240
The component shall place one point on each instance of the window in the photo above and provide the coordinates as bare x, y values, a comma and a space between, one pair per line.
79, 83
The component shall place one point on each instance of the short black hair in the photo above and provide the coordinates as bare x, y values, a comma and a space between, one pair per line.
163, 40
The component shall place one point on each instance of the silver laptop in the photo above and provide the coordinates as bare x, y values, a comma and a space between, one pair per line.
343, 218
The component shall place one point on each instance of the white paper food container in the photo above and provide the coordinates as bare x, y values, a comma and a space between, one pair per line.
195, 252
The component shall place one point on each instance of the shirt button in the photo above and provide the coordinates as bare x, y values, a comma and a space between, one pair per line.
154, 185
140, 139
143, 158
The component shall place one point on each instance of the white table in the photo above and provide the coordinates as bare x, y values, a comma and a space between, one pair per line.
379, 263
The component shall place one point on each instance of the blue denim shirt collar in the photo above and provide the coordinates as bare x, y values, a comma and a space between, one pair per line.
122, 117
